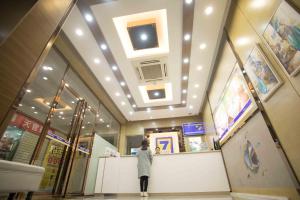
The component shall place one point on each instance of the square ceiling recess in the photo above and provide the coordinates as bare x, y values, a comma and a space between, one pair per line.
156, 94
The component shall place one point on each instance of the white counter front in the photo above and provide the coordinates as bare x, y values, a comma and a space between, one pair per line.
175, 173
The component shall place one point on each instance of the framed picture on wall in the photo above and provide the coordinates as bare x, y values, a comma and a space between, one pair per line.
265, 80
283, 37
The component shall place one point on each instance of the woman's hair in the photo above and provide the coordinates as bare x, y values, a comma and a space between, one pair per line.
145, 144
157, 148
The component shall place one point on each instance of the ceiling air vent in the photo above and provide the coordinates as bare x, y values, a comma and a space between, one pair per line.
151, 69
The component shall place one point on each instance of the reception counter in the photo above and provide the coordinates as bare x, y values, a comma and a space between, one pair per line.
174, 173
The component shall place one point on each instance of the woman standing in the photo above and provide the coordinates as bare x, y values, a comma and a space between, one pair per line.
144, 163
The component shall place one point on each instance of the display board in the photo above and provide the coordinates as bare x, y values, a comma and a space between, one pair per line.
235, 105
167, 142
193, 128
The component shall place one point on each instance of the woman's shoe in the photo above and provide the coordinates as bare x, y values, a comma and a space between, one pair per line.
142, 194
146, 194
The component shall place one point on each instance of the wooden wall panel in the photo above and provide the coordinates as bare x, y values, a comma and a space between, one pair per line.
26, 47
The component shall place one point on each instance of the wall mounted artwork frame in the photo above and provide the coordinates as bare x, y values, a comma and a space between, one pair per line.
264, 79
282, 36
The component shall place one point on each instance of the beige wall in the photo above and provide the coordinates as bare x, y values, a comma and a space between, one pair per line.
137, 127
283, 108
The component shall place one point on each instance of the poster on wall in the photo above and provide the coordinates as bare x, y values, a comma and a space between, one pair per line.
283, 37
234, 105
261, 74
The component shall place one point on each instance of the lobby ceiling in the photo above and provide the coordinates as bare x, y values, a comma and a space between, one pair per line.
153, 57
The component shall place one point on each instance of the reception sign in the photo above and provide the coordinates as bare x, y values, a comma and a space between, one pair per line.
165, 144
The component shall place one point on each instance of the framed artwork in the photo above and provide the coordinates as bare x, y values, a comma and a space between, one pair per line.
235, 105
265, 80
283, 38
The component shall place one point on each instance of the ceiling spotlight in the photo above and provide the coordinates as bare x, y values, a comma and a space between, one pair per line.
35, 112
191, 107
101, 120
202, 46
61, 113
194, 96
20, 104
128, 96
184, 91
88, 17
83, 126
185, 78
148, 110
107, 125
144, 36
171, 108
122, 83
45, 78
96, 60
199, 68
115, 68
196, 85
243, 41
208, 10
183, 102
28, 91
123, 103
107, 78
103, 46
117, 94
79, 32
134, 106
46, 68
72, 102
151, 117
33, 107
188, 1
185, 60
187, 37
130, 113
156, 94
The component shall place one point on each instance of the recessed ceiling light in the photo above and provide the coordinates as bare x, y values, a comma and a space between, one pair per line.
199, 68
184, 91
196, 85
208, 10
117, 94
258, 3
79, 32
101, 120
115, 68
88, 17
107, 78
202, 46
134, 106
130, 113
103, 46
128, 96
96, 60
72, 102
148, 110
61, 113
107, 125
194, 96
156, 94
243, 41
151, 117
185, 60
46, 68
187, 37
45, 78
67, 85
171, 108
188, 1
123, 103
144, 37
28, 90
183, 102
33, 107
35, 112
20, 104
191, 107
185, 78
122, 83
48, 103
